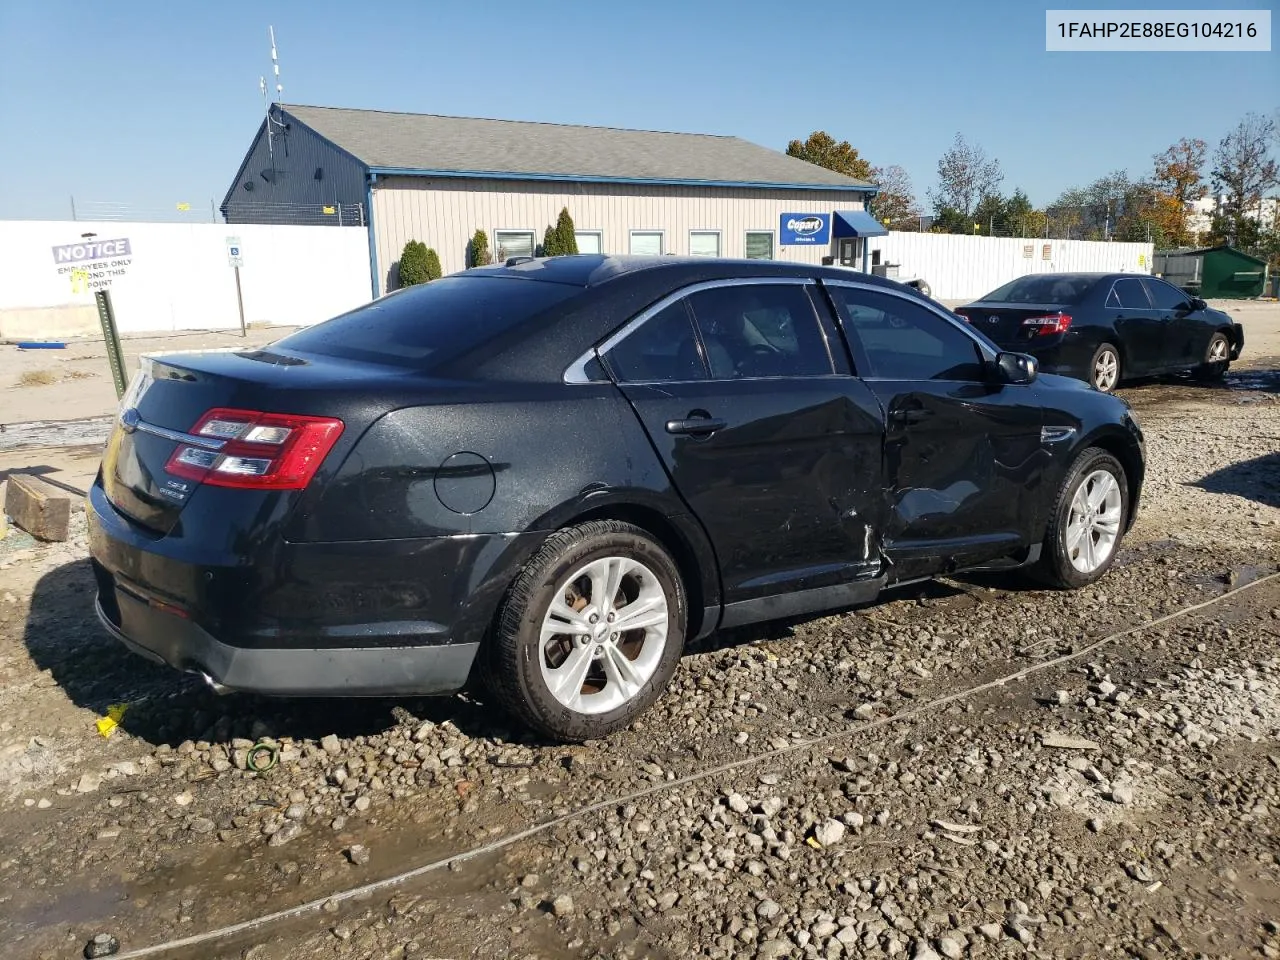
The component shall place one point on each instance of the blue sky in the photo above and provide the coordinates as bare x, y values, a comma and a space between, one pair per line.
151, 104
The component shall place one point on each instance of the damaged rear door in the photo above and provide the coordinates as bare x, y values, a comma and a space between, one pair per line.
747, 398
963, 454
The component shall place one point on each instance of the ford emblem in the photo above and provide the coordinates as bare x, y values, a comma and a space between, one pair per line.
129, 419
805, 226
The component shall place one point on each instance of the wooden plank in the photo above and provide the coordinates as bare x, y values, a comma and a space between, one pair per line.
42, 510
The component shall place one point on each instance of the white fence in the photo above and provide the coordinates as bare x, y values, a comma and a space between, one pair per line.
170, 276
959, 267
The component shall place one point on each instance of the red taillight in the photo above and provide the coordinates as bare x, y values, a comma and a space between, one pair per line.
1047, 326
261, 451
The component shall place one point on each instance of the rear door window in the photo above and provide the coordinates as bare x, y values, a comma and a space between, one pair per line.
758, 330
1128, 294
663, 349
420, 325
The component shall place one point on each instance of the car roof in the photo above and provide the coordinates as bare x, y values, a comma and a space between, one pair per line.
1079, 274
593, 270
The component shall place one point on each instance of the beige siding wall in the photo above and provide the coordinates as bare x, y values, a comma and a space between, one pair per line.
445, 213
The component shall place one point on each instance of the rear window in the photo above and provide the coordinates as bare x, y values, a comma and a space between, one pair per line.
1046, 288
424, 324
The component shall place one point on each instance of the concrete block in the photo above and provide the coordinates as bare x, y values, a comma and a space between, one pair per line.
37, 507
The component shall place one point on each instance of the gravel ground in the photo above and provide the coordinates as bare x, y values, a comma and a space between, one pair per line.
1122, 802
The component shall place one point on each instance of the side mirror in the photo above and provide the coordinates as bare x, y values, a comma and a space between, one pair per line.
1016, 368
1198, 304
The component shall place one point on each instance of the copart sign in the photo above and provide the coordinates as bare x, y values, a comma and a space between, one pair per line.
805, 228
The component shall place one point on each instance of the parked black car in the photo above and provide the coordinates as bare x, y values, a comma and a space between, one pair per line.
559, 470
1106, 327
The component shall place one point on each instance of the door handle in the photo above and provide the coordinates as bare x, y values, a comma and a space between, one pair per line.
910, 416
696, 426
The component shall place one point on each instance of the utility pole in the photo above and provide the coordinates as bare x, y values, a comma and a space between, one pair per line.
73, 207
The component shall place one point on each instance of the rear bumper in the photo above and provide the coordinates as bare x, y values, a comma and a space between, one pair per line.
361, 618
1059, 355
293, 672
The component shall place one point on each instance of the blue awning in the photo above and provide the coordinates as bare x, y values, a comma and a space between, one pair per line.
856, 223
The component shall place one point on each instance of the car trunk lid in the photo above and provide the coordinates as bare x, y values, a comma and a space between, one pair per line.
253, 419
1006, 324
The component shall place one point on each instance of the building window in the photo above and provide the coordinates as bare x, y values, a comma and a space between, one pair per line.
759, 245
646, 243
512, 243
704, 243
589, 241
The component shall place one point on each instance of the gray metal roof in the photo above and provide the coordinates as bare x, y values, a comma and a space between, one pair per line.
426, 143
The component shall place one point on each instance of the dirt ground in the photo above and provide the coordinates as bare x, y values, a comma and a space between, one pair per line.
969, 768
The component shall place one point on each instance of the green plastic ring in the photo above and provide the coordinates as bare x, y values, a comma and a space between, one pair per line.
262, 757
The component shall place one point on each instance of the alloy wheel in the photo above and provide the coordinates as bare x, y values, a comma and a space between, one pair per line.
1106, 370
1093, 524
1218, 351
603, 635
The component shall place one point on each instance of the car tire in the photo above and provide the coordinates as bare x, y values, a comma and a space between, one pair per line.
1104, 368
587, 681
1087, 524
1217, 358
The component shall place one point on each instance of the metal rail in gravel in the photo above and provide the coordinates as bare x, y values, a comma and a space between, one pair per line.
312, 906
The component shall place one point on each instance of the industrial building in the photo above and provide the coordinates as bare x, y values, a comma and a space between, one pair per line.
440, 179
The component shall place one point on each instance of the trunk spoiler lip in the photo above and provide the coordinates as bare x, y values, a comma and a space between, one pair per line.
131, 421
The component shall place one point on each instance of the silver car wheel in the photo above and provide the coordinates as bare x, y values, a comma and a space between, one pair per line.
603, 635
1093, 524
1106, 370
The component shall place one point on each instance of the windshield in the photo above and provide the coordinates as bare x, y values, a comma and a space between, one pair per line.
439, 319
1044, 288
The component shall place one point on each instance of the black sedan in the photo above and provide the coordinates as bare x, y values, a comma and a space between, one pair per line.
558, 471
1105, 327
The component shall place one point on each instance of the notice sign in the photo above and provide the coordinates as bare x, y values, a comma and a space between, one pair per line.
1027, 250
92, 264
235, 252
798, 228
1046, 252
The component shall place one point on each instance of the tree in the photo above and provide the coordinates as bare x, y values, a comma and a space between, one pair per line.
550, 243
1178, 182
821, 148
1244, 170
1094, 212
951, 220
1020, 218
478, 250
434, 271
414, 264
1065, 215
1137, 219
1244, 233
566, 233
988, 216
965, 176
895, 205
